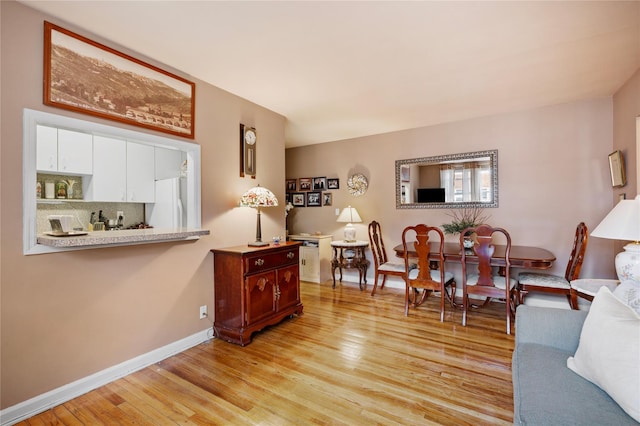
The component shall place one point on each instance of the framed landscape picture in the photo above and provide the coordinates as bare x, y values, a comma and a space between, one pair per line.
84, 76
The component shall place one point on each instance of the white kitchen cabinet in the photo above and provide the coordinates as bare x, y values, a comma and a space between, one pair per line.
168, 163
63, 151
46, 149
315, 257
109, 181
123, 171
141, 184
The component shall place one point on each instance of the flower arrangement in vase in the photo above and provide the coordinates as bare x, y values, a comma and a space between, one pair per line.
463, 219
287, 209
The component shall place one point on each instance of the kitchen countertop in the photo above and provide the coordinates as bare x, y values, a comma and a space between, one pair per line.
125, 236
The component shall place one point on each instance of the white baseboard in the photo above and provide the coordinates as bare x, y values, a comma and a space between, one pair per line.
352, 276
45, 401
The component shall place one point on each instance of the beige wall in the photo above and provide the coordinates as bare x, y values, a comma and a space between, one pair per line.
553, 173
67, 315
626, 107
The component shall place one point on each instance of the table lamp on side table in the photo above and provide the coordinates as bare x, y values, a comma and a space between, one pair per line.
258, 197
623, 223
349, 215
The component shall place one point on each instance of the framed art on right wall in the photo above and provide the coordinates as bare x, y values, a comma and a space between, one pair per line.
616, 166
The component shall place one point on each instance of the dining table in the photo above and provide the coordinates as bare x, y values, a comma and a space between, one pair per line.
526, 257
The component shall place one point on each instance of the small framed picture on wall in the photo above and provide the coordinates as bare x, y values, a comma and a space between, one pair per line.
304, 184
297, 199
616, 166
319, 183
291, 185
333, 183
327, 198
313, 199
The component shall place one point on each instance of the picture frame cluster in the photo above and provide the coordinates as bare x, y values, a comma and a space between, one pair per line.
311, 191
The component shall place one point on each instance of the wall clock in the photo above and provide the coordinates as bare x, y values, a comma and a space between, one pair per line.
248, 140
357, 184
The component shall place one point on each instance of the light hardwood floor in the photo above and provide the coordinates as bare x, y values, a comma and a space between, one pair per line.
350, 359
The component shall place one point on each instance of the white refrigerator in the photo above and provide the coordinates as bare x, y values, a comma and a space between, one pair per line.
168, 209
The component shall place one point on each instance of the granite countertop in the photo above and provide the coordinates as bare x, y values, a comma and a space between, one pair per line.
126, 236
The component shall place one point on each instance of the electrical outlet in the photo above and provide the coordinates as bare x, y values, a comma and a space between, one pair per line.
337, 212
203, 311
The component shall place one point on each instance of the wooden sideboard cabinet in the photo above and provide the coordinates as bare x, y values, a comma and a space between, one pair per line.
254, 287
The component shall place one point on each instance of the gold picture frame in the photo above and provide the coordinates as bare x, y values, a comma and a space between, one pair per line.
616, 167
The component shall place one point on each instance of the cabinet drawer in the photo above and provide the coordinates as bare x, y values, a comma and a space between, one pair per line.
258, 263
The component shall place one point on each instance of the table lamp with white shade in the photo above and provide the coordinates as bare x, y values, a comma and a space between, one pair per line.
258, 197
349, 215
623, 223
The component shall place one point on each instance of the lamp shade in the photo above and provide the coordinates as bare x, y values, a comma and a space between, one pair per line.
349, 215
258, 197
623, 223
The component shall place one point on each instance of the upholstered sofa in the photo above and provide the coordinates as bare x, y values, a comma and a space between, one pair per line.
545, 390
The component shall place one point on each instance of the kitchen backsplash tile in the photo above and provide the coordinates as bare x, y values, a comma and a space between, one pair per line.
81, 211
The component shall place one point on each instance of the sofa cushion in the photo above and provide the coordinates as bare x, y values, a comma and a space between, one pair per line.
546, 392
609, 351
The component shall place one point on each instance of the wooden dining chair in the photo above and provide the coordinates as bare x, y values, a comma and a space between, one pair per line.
555, 284
485, 283
382, 265
423, 277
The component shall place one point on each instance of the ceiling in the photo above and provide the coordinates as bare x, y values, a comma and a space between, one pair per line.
339, 70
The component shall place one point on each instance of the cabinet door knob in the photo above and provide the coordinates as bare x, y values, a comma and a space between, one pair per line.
259, 262
290, 255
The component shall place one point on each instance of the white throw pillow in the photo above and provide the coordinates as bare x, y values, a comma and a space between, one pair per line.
608, 354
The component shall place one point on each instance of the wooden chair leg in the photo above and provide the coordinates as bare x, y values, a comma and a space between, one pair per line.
573, 299
375, 283
508, 307
406, 300
465, 306
443, 292
451, 295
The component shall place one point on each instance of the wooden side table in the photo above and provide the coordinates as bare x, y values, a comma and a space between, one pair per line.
588, 287
350, 255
